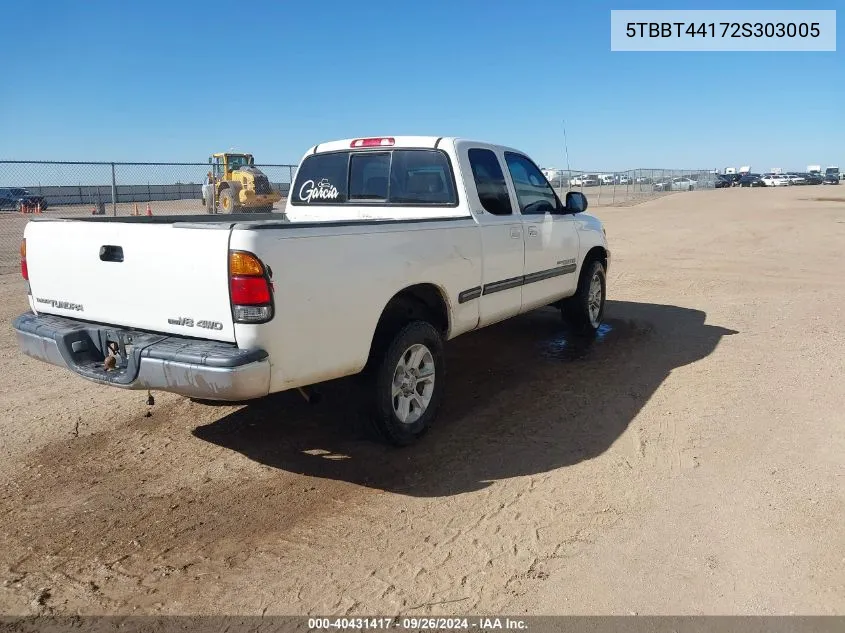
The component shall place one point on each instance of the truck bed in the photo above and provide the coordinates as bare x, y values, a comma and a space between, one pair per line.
245, 221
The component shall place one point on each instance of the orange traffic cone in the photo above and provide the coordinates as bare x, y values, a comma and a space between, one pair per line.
135, 211
38, 208
149, 211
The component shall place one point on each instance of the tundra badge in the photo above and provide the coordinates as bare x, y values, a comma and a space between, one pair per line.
62, 305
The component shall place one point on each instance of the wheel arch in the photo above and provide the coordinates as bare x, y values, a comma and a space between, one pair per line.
228, 184
424, 302
596, 253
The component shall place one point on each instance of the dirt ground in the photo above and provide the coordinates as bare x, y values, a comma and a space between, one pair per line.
690, 461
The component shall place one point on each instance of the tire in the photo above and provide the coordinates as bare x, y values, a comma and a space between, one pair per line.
228, 204
577, 311
418, 346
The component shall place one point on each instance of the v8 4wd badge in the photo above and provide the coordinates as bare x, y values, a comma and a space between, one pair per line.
186, 322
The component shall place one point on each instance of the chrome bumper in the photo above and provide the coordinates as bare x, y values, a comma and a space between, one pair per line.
208, 370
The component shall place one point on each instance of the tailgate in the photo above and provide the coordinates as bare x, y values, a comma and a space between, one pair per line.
156, 277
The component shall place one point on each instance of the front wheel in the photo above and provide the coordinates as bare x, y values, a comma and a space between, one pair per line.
227, 201
584, 311
408, 384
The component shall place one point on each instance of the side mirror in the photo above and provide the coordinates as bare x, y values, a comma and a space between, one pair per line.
576, 202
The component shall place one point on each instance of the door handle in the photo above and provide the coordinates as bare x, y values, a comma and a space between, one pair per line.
532, 231
111, 253
516, 232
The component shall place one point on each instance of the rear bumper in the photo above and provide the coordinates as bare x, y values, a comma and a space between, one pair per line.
199, 369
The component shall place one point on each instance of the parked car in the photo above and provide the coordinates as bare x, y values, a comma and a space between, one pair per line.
622, 179
831, 179
681, 183
775, 180
813, 179
585, 180
13, 198
795, 179
399, 244
751, 180
722, 182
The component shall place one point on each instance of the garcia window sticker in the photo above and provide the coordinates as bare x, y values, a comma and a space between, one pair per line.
723, 30
323, 190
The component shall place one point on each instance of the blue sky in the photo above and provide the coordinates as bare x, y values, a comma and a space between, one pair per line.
159, 81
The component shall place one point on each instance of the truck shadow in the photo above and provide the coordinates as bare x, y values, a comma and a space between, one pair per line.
523, 398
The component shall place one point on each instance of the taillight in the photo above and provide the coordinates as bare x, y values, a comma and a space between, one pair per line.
385, 141
24, 268
241, 263
250, 288
250, 291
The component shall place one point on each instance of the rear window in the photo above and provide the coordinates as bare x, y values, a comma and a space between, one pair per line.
401, 176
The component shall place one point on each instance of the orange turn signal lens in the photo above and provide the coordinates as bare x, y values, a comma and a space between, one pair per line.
241, 263
23, 247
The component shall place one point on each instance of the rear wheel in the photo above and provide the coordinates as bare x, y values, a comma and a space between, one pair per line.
227, 201
585, 309
407, 384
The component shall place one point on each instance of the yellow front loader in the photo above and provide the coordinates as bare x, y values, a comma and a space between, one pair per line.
236, 185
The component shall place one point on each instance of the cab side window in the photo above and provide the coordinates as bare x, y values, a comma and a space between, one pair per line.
533, 192
490, 182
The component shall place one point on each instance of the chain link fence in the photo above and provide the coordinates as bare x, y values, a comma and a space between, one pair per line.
626, 188
73, 189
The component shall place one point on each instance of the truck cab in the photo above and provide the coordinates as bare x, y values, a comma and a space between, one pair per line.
223, 164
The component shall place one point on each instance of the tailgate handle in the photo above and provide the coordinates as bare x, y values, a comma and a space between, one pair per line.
111, 253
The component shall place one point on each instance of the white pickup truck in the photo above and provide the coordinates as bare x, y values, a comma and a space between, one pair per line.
388, 247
